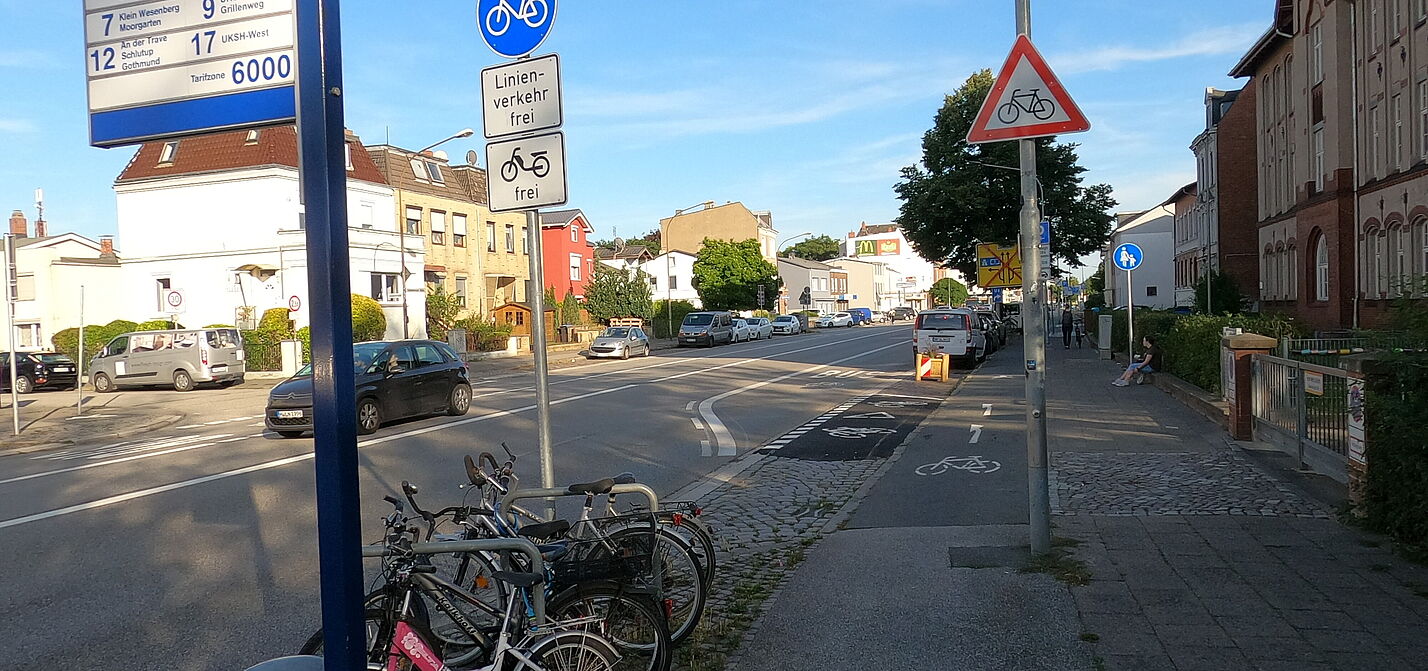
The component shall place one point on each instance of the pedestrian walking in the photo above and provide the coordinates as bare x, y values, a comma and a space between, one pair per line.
1068, 322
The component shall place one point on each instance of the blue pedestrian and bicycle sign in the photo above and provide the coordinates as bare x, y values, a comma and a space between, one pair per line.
1128, 256
514, 30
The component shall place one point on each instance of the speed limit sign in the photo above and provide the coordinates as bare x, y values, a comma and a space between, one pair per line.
173, 301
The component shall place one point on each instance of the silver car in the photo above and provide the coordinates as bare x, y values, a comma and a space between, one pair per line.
180, 358
761, 327
619, 341
786, 325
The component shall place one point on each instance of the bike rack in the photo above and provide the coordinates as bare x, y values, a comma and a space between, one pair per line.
633, 488
481, 545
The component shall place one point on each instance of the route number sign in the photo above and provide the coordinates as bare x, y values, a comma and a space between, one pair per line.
178, 67
526, 173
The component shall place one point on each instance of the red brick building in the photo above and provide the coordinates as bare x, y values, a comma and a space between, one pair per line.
567, 251
1236, 163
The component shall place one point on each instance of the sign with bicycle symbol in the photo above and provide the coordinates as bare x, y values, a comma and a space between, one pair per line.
973, 464
526, 173
514, 28
1026, 101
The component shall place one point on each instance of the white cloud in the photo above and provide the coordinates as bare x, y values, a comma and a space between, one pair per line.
17, 126
26, 58
1235, 39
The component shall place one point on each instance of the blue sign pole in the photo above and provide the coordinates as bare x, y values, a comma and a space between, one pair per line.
322, 167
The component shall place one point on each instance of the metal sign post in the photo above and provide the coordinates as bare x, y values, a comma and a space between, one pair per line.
542, 370
324, 192
79, 363
12, 280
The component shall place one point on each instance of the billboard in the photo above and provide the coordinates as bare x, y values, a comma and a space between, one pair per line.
890, 247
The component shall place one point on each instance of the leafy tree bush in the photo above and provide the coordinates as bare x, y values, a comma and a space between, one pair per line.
1223, 290
1192, 342
95, 338
483, 335
442, 310
368, 321
819, 248
615, 293
948, 291
276, 320
568, 310
668, 315
156, 325
1396, 492
728, 275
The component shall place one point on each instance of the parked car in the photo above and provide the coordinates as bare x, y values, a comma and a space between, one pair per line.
998, 327
742, 331
951, 332
786, 325
762, 327
706, 328
395, 379
835, 319
903, 312
861, 315
38, 370
990, 333
181, 358
619, 341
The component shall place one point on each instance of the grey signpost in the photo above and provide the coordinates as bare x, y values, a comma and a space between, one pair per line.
1009, 113
525, 163
11, 286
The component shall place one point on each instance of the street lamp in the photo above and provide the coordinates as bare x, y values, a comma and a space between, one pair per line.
402, 231
790, 239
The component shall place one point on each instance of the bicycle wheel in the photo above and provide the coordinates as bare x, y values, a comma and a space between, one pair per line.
633, 623
569, 651
1043, 109
675, 576
509, 170
379, 639
1008, 113
689, 528
498, 20
471, 571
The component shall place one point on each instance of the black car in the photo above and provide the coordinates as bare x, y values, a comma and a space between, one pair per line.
405, 378
38, 370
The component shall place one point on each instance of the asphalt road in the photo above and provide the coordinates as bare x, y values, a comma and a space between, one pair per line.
195, 549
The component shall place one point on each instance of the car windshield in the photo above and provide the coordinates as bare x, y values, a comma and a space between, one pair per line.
784, 318
944, 320
53, 358
615, 333
363, 354
698, 319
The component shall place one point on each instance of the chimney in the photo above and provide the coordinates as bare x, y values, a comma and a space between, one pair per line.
106, 246
19, 226
40, 231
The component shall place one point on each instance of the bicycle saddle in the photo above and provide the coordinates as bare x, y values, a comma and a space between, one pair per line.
626, 478
519, 579
597, 487
545, 529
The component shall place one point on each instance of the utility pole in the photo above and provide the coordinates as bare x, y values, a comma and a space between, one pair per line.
536, 298
1034, 341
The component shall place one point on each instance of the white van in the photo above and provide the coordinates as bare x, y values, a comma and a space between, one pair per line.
951, 331
180, 358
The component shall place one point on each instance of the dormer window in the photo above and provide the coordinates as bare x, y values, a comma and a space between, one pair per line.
347, 152
434, 171
419, 169
167, 154
252, 138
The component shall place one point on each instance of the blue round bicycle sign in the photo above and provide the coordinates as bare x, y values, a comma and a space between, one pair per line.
514, 28
1128, 256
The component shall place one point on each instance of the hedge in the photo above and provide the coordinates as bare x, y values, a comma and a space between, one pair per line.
95, 337
1192, 342
1396, 492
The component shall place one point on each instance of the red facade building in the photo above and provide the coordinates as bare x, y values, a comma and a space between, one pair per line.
567, 251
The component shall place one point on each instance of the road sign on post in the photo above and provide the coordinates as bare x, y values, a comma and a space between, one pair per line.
1026, 101
173, 301
513, 31
1128, 257
186, 66
998, 266
526, 173
521, 97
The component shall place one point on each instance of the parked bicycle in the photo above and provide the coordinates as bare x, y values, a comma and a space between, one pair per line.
533, 12
515, 165
1029, 102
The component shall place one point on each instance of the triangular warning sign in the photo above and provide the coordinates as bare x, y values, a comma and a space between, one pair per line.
1027, 101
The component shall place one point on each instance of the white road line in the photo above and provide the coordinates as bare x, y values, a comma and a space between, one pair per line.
976, 434
689, 405
704, 450
986, 409
97, 464
722, 437
190, 426
697, 425
276, 463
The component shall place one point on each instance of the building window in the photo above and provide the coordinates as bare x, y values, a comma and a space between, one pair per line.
525, 241
386, 287
25, 287
510, 238
438, 227
1400, 243
252, 138
413, 221
458, 230
574, 267
1321, 269
1375, 132
161, 287
365, 216
574, 233
168, 152
1151, 291
347, 154
490, 236
1380, 263
1265, 286
1375, 25
1291, 273
1316, 53
461, 291
433, 171
1397, 18
1397, 159
1420, 9
419, 170
1422, 227
1317, 142
1423, 117
673, 282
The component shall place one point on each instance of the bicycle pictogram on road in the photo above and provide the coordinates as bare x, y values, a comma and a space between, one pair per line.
973, 464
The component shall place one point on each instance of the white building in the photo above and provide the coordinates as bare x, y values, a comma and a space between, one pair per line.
672, 277
868, 283
51, 273
1152, 284
218, 217
910, 276
799, 274
1197, 235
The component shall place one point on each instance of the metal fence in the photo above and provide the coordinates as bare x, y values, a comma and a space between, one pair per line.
262, 356
1330, 350
1303, 409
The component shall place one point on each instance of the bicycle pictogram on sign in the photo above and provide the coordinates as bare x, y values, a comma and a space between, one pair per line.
533, 13
1030, 102
515, 28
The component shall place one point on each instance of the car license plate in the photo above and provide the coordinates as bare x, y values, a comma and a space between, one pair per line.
289, 414
941, 339
64, 369
220, 368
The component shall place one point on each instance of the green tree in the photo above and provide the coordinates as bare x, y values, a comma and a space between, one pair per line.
442, 311
820, 248
1092, 290
728, 275
615, 293
1220, 288
948, 291
368, 321
954, 198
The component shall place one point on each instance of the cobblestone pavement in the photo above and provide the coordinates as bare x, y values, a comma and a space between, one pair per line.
765, 519
1183, 483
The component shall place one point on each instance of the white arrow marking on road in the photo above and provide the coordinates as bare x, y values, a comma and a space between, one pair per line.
986, 409
873, 415
976, 433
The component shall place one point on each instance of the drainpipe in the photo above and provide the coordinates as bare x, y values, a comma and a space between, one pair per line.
1354, 116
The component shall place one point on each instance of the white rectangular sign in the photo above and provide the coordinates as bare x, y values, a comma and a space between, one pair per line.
173, 67
526, 173
521, 97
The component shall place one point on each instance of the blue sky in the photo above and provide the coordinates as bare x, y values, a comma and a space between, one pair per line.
806, 108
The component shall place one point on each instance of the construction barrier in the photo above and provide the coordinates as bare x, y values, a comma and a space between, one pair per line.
935, 367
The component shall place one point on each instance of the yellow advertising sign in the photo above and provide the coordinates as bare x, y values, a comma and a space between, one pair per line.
888, 247
998, 266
